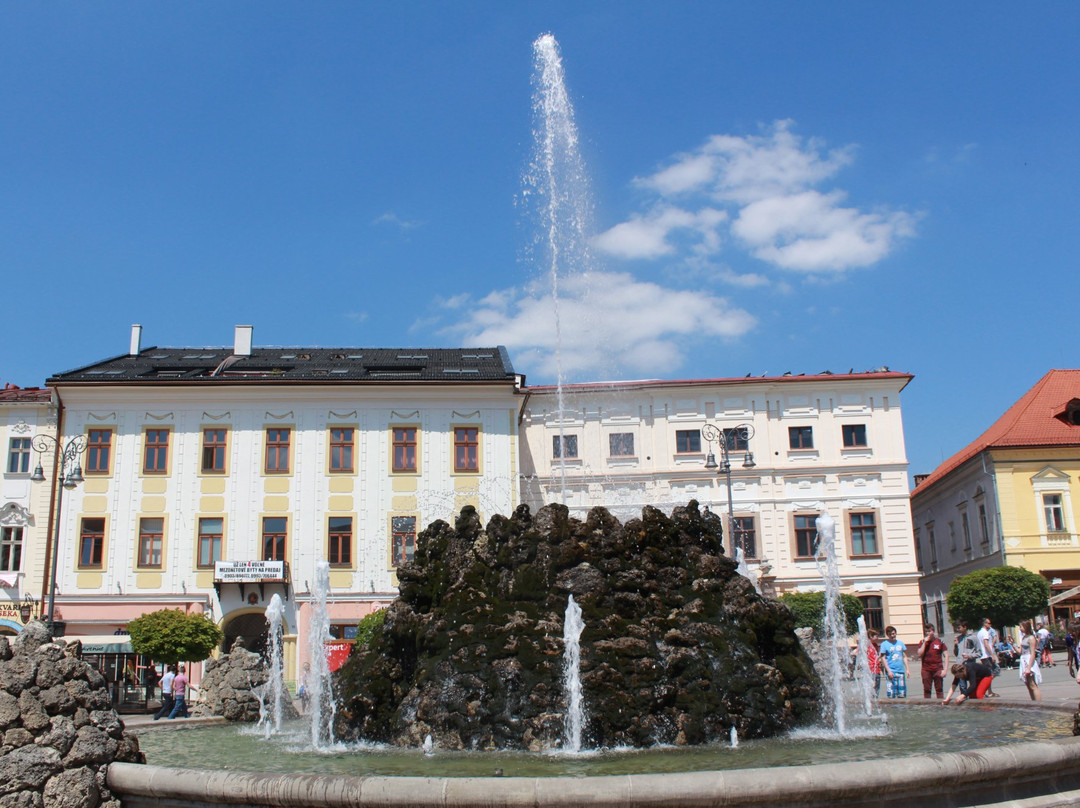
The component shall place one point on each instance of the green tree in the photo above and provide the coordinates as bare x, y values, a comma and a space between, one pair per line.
809, 609
1006, 595
171, 636
368, 627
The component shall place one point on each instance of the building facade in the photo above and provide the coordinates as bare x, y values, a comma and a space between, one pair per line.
1008, 498
25, 414
217, 478
797, 446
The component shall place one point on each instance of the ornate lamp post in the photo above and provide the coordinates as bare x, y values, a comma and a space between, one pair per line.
728, 440
70, 476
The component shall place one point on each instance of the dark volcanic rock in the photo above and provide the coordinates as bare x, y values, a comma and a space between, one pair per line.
677, 647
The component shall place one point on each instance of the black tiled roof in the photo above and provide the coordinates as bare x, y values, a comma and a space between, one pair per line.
323, 365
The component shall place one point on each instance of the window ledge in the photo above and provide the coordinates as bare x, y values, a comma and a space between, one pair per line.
803, 454
685, 458
856, 451
566, 461
623, 460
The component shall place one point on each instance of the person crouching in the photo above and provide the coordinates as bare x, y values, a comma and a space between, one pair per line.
972, 679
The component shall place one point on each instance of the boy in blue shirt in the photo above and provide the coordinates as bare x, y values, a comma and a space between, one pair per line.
893, 651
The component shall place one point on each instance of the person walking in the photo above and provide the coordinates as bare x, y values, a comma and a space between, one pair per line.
1044, 645
166, 693
935, 658
896, 665
179, 689
1030, 674
987, 654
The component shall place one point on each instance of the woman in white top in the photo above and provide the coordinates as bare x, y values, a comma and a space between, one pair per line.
1030, 674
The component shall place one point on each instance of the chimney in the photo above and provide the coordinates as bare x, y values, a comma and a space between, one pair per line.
242, 341
136, 340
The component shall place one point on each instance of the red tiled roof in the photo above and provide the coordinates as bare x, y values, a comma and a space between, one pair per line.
1034, 420
11, 393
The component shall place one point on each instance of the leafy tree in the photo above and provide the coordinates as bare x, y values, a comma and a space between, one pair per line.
368, 627
1006, 595
809, 609
171, 636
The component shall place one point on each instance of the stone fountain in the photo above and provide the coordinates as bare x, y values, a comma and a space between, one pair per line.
677, 647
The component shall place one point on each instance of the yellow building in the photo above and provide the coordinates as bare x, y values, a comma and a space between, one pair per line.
1010, 498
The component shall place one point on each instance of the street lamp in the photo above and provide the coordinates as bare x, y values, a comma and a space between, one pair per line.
70, 476
728, 440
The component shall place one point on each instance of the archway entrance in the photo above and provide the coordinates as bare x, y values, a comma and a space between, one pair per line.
252, 628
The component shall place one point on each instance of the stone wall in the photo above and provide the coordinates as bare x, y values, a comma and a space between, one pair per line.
231, 685
58, 726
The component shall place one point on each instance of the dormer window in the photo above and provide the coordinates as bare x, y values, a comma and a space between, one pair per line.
1071, 415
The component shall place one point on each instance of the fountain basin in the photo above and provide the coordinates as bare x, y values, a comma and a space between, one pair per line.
1038, 773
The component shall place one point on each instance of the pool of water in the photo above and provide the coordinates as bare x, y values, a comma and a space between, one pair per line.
910, 730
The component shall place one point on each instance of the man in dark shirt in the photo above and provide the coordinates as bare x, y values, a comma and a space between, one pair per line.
935, 656
972, 678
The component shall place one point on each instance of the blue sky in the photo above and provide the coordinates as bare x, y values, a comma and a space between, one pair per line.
775, 187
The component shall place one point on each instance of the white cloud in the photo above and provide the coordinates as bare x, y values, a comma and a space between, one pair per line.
768, 182
391, 218
607, 320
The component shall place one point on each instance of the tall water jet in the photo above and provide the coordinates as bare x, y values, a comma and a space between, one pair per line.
864, 677
275, 687
321, 707
744, 569
573, 625
557, 180
835, 628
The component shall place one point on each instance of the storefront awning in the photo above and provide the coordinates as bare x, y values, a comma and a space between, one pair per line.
103, 643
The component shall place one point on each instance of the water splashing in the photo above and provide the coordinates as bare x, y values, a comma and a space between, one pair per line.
744, 570
575, 705
270, 719
557, 181
321, 710
734, 738
835, 627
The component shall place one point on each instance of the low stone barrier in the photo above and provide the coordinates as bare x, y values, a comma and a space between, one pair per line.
1028, 774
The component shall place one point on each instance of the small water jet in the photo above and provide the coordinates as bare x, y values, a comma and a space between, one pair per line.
274, 688
321, 706
573, 625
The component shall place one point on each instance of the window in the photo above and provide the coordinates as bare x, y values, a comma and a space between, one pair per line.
156, 451
863, 529
965, 527
933, 545
273, 538
806, 538
151, 534
918, 550
341, 449
564, 446
211, 534
854, 435
403, 538
466, 448
92, 543
873, 612
744, 535
404, 448
939, 617
339, 535
1054, 512
688, 440
621, 444
737, 440
19, 456
11, 539
984, 527
277, 450
952, 536
800, 437
213, 451
98, 451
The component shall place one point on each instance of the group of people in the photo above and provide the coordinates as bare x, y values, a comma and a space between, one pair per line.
173, 694
977, 660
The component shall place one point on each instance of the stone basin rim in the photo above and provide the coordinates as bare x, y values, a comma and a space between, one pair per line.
991, 774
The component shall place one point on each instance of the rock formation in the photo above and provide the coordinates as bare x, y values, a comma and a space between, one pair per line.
231, 684
59, 728
677, 647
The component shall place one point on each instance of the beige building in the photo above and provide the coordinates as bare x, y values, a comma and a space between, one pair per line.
25, 415
797, 446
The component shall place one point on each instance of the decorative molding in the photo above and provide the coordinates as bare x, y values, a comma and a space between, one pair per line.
20, 428
109, 416
210, 417
12, 513
404, 415
473, 414
165, 417
334, 414
284, 416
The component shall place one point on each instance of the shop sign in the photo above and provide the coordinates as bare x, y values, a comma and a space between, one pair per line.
248, 572
336, 653
16, 611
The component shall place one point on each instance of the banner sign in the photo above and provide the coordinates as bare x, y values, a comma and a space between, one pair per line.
248, 572
336, 653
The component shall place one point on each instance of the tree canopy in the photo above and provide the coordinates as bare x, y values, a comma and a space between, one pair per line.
171, 636
1006, 595
368, 626
809, 609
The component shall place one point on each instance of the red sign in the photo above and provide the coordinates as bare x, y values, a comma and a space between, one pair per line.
336, 653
